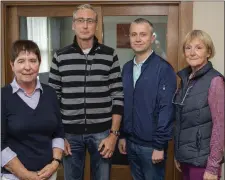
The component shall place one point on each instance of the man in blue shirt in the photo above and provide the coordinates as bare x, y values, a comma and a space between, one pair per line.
149, 83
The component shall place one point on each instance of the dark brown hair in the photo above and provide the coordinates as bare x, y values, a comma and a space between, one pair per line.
24, 45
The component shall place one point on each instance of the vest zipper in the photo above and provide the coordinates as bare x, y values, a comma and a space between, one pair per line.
198, 140
180, 113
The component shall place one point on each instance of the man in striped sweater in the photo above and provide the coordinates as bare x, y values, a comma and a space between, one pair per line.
86, 76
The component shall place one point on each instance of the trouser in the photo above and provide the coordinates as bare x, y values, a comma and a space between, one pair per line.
140, 160
74, 164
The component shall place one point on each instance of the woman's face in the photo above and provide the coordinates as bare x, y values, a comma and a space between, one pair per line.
196, 53
26, 67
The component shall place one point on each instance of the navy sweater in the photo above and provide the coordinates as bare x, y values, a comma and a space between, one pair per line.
29, 132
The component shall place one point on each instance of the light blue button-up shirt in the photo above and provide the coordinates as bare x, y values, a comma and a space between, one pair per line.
137, 69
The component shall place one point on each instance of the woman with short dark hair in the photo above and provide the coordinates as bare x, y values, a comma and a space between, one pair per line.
32, 136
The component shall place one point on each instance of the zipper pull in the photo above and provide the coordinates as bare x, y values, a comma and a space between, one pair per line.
164, 87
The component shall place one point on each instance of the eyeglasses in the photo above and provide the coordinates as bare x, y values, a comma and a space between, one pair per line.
82, 20
185, 95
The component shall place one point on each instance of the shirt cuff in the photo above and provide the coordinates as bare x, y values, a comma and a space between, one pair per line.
117, 109
7, 155
58, 143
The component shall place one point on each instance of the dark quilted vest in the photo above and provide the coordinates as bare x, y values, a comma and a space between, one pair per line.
193, 117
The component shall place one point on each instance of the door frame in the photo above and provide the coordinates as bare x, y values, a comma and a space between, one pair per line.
11, 24
171, 11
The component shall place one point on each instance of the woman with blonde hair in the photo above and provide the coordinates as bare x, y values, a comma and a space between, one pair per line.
199, 132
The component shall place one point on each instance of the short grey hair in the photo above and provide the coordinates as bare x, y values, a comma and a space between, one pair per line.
84, 6
143, 20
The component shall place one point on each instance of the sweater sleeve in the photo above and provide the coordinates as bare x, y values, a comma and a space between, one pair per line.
115, 85
3, 122
165, 108
216, 104
55, 76
59, 132
6, 153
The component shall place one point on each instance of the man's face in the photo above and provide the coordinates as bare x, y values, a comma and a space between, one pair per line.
141, 37
84, 24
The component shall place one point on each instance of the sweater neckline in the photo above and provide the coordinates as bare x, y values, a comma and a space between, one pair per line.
27, 106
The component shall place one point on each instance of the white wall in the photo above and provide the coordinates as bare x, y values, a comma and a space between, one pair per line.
209, 16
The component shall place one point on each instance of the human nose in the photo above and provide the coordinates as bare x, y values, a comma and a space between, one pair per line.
192, 51
85, 23
27, 66
138, 38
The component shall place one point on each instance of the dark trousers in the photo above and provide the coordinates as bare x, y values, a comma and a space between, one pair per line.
140, 160
74, 165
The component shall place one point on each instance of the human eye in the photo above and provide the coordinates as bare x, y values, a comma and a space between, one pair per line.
133, 34
143, 34
80, 20
33, 60
90, 20
187, 47
199, 47
20, 61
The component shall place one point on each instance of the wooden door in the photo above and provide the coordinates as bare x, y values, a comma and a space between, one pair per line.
119, 16
177, 26
14, 15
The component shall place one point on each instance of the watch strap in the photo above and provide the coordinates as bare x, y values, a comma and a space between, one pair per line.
58, 160
116, 133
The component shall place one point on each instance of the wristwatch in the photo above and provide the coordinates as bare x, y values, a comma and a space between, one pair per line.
58, 160
116, 133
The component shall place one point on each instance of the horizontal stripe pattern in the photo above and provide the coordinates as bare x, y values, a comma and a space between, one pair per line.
87, 86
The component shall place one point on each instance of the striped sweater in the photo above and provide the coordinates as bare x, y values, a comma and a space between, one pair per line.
89, 87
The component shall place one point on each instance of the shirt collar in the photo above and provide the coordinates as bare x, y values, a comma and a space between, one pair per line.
142, 62
16, 87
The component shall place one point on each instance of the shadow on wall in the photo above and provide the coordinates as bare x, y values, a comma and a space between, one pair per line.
43, 77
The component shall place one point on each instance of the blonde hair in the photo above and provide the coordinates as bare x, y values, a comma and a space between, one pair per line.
84, 6
204, 37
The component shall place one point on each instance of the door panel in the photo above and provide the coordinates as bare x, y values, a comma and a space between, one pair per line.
116, 35
15, 14
41, 25
116, 20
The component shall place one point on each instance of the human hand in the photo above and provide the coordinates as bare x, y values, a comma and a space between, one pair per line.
67, 148
30, 175
107, 146
177, 164
48, 170
157, 156
122, 146
209, 176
